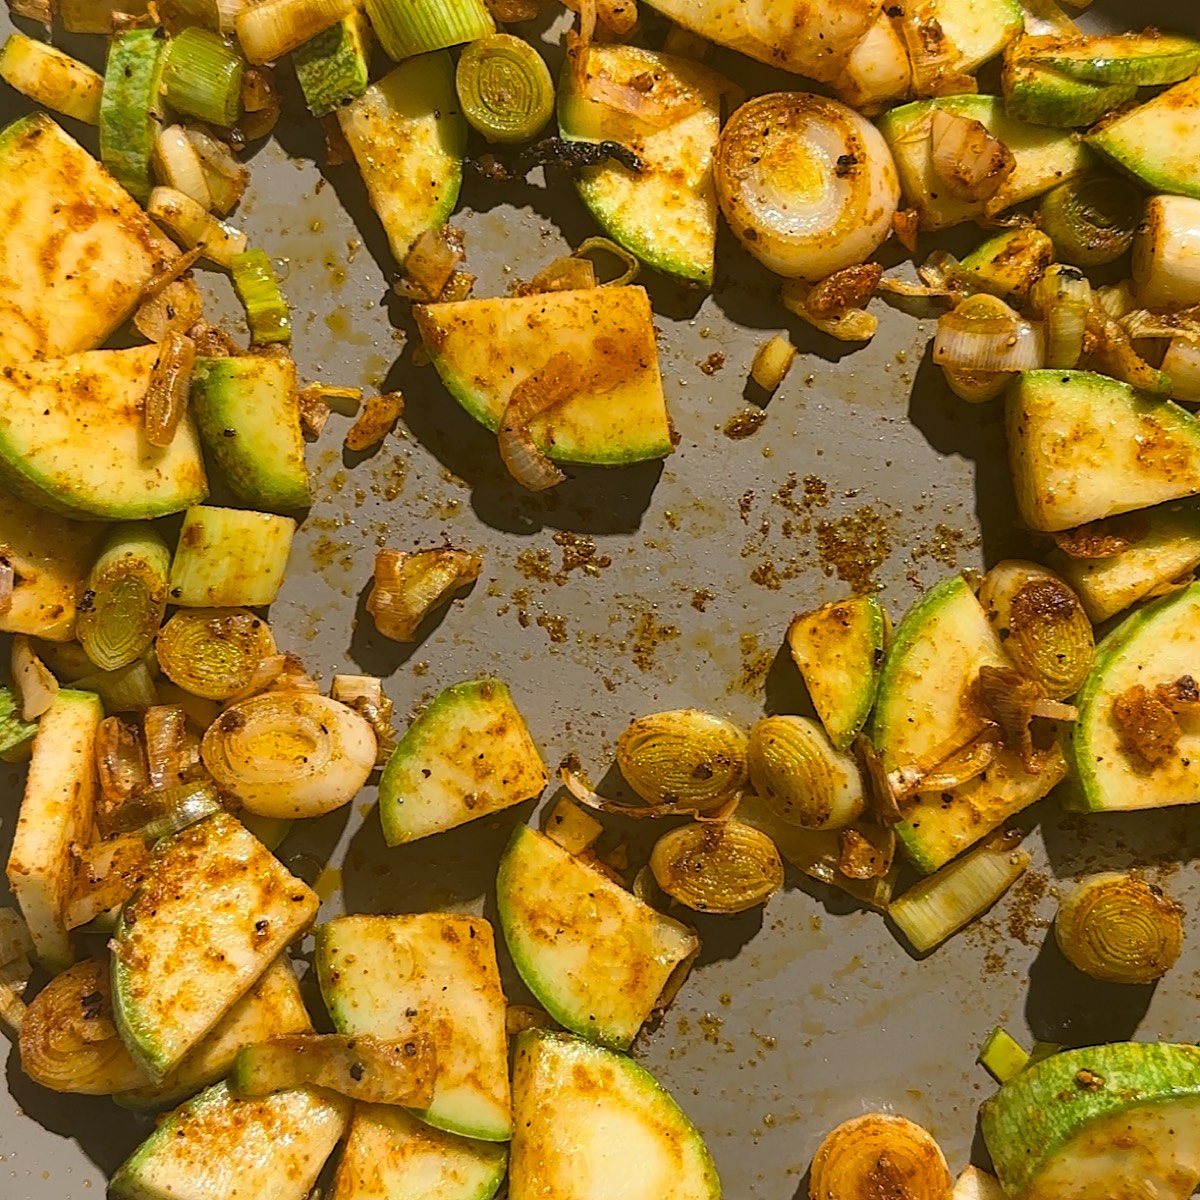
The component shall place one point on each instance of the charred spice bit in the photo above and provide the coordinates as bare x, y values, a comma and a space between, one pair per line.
700, 599
845, 164
713, 363
648, 636
1089, 1081
744, 424
555, 152
93, 1005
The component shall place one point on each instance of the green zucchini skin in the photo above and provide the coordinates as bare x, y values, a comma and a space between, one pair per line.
130, 108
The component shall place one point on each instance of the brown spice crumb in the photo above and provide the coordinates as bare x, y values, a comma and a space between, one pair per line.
713, 363
700, 599
744, 424
555, 627
648, 635
1148, 728
853, 547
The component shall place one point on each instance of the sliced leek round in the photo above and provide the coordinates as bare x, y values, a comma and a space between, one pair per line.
807, 185
290, 754
801, 777
717, 866
879, 1155
213, 652
687, 758
505, 88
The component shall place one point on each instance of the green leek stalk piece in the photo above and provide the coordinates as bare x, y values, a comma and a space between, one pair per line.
16, 734
266, 310
1002, 1055
333, 66
125, 597
189, 223
202, 76
51, 78
230, 558
505, 88
408, 27
1091, 220
269, 30
937, 907
127, 689
130, 112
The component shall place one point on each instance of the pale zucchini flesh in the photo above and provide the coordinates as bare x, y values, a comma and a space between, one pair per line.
273, 1006
1155, 645
408, 136
56, 813
839, 650
600, 339
384, 976
218, 1147
213, 912
1045, 158
591, 1124
666, 213
390, 1155
230, 558
71, 439
50, 557
977, 30
1121, 1120
48, 76
77, 250
247, 411
1157, 141
1083, 447
469, 754
1164, 547
595, 957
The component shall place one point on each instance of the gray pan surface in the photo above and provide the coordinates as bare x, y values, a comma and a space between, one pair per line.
661, 586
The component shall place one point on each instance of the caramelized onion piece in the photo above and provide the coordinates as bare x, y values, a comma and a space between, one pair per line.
375, 422
170, 383
866, 851
1102, 539
1010, 698
580, 787
177, 306
1148, 727
106, 874
121, 768
35, 686
967, 158
408, 587
68, 1041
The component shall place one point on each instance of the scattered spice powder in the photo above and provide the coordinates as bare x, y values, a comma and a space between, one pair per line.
853, 547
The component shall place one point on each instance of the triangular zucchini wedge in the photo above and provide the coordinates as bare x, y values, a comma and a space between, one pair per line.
666, 213
600, 339
437, 972
1083, 446
71, 439
839, 650
76, 252
390, 1155
215, 908
1157, 141
219, 1147
591, 1124
1117, 1120
1153, 647
593, 954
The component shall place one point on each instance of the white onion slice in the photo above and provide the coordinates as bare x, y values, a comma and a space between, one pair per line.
1181, 364
35, 686
290, 754
807, 185
177, 165
1166, 253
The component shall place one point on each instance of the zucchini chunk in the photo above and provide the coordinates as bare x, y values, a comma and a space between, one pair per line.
76, 252
838, 649
593, 954
591, 1124
230, 558
213, 911
333, 67
16, 734
1158, 141
483, 349
667, 213
1115, 768
1147, 59
1160, 546
131, 107
218, 1147
50, 558
1116, 1120
976, 30
248, 414
390, 1155
273, 1006
468, 755
71, 439
1045, 158
385, 976
56, 813
1083, 447
1041, 95
408, 136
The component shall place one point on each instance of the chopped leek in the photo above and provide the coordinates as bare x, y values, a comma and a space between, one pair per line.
1091, 220
772, 361
178, 165
408, 27
717, 866
1002, 1055
1119, 929
213, 652
190, 224
51, 78
225, 176
130, 109
1166, 253
333, 66
202, 76
274, 28
266, 310
127, 689
1063, 299
879, 1154
126, 596
229, 558
505, 88
937, 907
